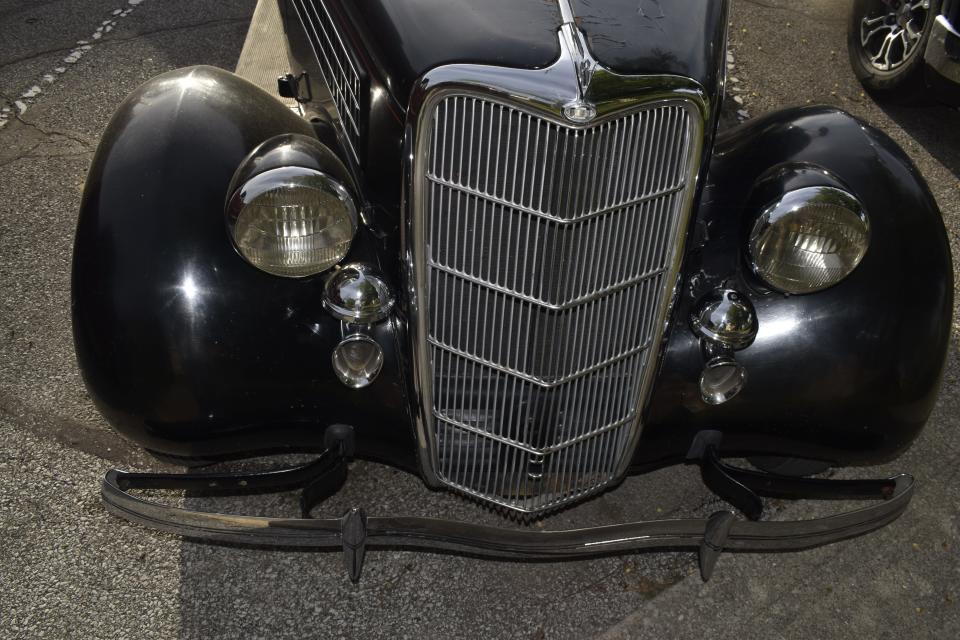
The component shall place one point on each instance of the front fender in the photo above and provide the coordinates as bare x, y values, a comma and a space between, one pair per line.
849, 374
184, 347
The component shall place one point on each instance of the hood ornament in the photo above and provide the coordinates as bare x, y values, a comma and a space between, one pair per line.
574, 47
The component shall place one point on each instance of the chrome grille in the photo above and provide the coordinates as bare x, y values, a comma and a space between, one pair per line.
548, 252
339, 71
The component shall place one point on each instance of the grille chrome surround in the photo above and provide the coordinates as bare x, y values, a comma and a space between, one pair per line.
543, 298
340, 73
534, 350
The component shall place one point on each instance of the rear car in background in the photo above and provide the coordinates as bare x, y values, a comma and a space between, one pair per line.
504, 247
903, 49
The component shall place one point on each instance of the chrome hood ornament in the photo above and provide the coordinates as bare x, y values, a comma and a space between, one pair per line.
574, 47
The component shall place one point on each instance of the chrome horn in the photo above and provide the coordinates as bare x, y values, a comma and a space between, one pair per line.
725, 321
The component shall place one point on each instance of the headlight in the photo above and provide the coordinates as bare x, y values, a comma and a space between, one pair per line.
810, 239
292, 221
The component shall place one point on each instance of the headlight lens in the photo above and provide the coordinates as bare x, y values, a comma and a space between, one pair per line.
293, 221
810, 239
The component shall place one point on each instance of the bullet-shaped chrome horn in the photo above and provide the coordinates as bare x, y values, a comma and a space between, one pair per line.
725, 321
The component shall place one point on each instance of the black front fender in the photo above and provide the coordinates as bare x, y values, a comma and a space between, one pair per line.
190, 351
849, 374
186, 348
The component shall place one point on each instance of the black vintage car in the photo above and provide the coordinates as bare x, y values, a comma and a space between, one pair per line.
502, 245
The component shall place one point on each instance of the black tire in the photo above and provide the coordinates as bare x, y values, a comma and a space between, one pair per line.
903, 83
796, 467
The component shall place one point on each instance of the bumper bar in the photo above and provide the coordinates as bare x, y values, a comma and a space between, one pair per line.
354, 532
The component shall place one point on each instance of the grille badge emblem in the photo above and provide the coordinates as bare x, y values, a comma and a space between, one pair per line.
580, 112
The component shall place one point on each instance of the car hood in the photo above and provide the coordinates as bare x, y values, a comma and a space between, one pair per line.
407, 39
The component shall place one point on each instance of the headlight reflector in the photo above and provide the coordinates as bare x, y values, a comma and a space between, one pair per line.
810, 239
292, 221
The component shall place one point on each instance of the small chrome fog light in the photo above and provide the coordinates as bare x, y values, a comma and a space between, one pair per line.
726, 317
722, 378
357, 360
358, 295
725, 321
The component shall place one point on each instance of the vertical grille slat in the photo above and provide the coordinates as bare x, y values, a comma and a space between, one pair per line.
547, 254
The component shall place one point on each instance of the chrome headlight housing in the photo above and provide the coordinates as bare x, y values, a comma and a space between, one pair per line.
808, 240
292, 221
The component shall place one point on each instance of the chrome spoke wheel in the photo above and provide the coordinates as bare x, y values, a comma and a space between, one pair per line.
891, 32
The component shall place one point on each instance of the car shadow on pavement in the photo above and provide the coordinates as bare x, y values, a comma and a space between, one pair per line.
936, 128
232, 591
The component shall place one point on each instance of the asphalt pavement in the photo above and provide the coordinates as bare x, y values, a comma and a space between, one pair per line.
67, 569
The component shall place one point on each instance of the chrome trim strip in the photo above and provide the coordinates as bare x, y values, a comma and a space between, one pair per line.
544, 94
566, 11
536, 450
540, 382
547, 216
543, 303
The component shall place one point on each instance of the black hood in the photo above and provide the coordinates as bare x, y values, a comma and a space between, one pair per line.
407, 38
681, 37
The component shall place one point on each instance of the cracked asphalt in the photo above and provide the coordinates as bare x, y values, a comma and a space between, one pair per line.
67, 569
